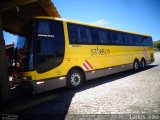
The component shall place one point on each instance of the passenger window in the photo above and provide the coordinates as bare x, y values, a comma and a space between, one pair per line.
114, 38
73, 34
85, 35
150, 41
109, 37
134, 40
120, 39
138, 41
125, 39
95, 36
103, 37
59, 42
147, 41
141, 40
130, 40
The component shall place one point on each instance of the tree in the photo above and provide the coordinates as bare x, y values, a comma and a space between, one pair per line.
157, 44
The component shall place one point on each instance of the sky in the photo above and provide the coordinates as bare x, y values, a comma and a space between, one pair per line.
141, 16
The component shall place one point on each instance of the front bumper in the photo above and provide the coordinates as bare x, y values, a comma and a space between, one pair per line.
37, 86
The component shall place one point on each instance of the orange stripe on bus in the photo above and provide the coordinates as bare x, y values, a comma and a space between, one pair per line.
89, 64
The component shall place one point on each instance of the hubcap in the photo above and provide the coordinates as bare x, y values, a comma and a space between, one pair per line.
136, 65
75, 79
143, 64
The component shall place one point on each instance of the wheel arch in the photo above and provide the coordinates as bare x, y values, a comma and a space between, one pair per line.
136, 59
143, 59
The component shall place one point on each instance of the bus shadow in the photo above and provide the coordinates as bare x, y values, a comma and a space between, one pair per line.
53, 104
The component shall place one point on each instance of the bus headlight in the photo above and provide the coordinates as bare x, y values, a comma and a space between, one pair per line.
10, 78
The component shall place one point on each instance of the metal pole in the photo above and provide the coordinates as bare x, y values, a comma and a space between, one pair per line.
4, 79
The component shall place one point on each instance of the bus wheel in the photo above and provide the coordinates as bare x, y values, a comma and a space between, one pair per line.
143, 64
75, 78
136, 65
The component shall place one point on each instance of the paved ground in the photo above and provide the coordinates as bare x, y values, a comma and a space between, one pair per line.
132, 94
127, 95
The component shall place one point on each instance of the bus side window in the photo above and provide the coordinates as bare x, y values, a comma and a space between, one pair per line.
150, 41
95, 36
109, 37
85, 35
73, 34
130, 40
114, 38
103, 37
139, 40
147, 41
58, 41
134, 40
124, 38
120, 39
127, 39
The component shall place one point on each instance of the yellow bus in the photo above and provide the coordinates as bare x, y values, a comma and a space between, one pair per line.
58, 52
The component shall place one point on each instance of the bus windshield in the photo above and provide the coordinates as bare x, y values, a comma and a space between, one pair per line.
24, 48
41, 44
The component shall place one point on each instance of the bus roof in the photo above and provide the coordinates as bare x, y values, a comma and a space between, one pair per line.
89, 24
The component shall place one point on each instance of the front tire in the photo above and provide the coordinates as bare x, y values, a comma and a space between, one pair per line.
75, 78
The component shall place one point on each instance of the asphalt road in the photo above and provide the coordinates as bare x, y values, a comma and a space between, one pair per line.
126, 95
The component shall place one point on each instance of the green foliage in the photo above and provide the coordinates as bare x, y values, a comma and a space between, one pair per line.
157, 44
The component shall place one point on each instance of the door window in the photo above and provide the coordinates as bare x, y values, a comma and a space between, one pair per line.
49, 45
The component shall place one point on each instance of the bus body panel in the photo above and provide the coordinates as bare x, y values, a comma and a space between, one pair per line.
95, 60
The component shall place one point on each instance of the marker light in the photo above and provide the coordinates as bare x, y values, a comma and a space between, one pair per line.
40, 82
62, 78
93, 72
